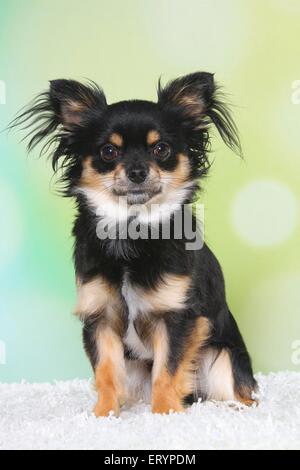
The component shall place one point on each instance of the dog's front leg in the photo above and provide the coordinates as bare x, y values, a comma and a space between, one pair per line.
109, 372
164, 395
171, 385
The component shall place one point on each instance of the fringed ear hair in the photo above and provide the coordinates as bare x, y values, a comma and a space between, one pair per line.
53, 115
196, 99
73, 100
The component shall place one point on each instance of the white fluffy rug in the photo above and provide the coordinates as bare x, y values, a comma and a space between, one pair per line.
58, 416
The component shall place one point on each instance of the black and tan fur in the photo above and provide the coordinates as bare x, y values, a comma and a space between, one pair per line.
154, 313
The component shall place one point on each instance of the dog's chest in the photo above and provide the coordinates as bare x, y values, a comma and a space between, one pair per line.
140, 322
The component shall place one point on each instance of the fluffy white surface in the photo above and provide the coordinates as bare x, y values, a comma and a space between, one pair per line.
58, 416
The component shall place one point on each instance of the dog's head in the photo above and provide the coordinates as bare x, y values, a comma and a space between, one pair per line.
141, 150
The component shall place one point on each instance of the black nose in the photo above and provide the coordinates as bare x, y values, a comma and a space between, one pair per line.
137, 175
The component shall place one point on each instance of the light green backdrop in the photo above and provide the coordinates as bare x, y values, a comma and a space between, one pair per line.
251, 207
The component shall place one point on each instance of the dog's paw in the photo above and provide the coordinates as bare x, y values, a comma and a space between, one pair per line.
106, 407
167, 406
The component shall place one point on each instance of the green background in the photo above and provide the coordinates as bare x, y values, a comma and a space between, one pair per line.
251, 206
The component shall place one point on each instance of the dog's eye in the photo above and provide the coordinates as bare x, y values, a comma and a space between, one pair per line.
109, 152
162, 150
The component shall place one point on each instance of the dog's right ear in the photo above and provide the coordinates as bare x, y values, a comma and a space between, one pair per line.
72, 101
56, 113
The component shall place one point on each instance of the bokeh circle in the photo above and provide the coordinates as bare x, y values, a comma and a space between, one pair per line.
264, 213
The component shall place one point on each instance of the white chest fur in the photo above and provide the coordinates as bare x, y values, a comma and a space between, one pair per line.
136, 306
169, 294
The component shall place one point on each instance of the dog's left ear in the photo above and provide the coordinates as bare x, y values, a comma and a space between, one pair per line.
196, 101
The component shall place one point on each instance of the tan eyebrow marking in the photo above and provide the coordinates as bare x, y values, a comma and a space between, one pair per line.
116, 139
153, 137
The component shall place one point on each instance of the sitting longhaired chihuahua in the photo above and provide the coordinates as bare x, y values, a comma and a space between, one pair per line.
154, 313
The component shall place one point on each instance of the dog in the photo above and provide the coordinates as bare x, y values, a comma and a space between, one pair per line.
155, 318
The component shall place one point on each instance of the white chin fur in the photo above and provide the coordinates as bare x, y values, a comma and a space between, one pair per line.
154, 210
